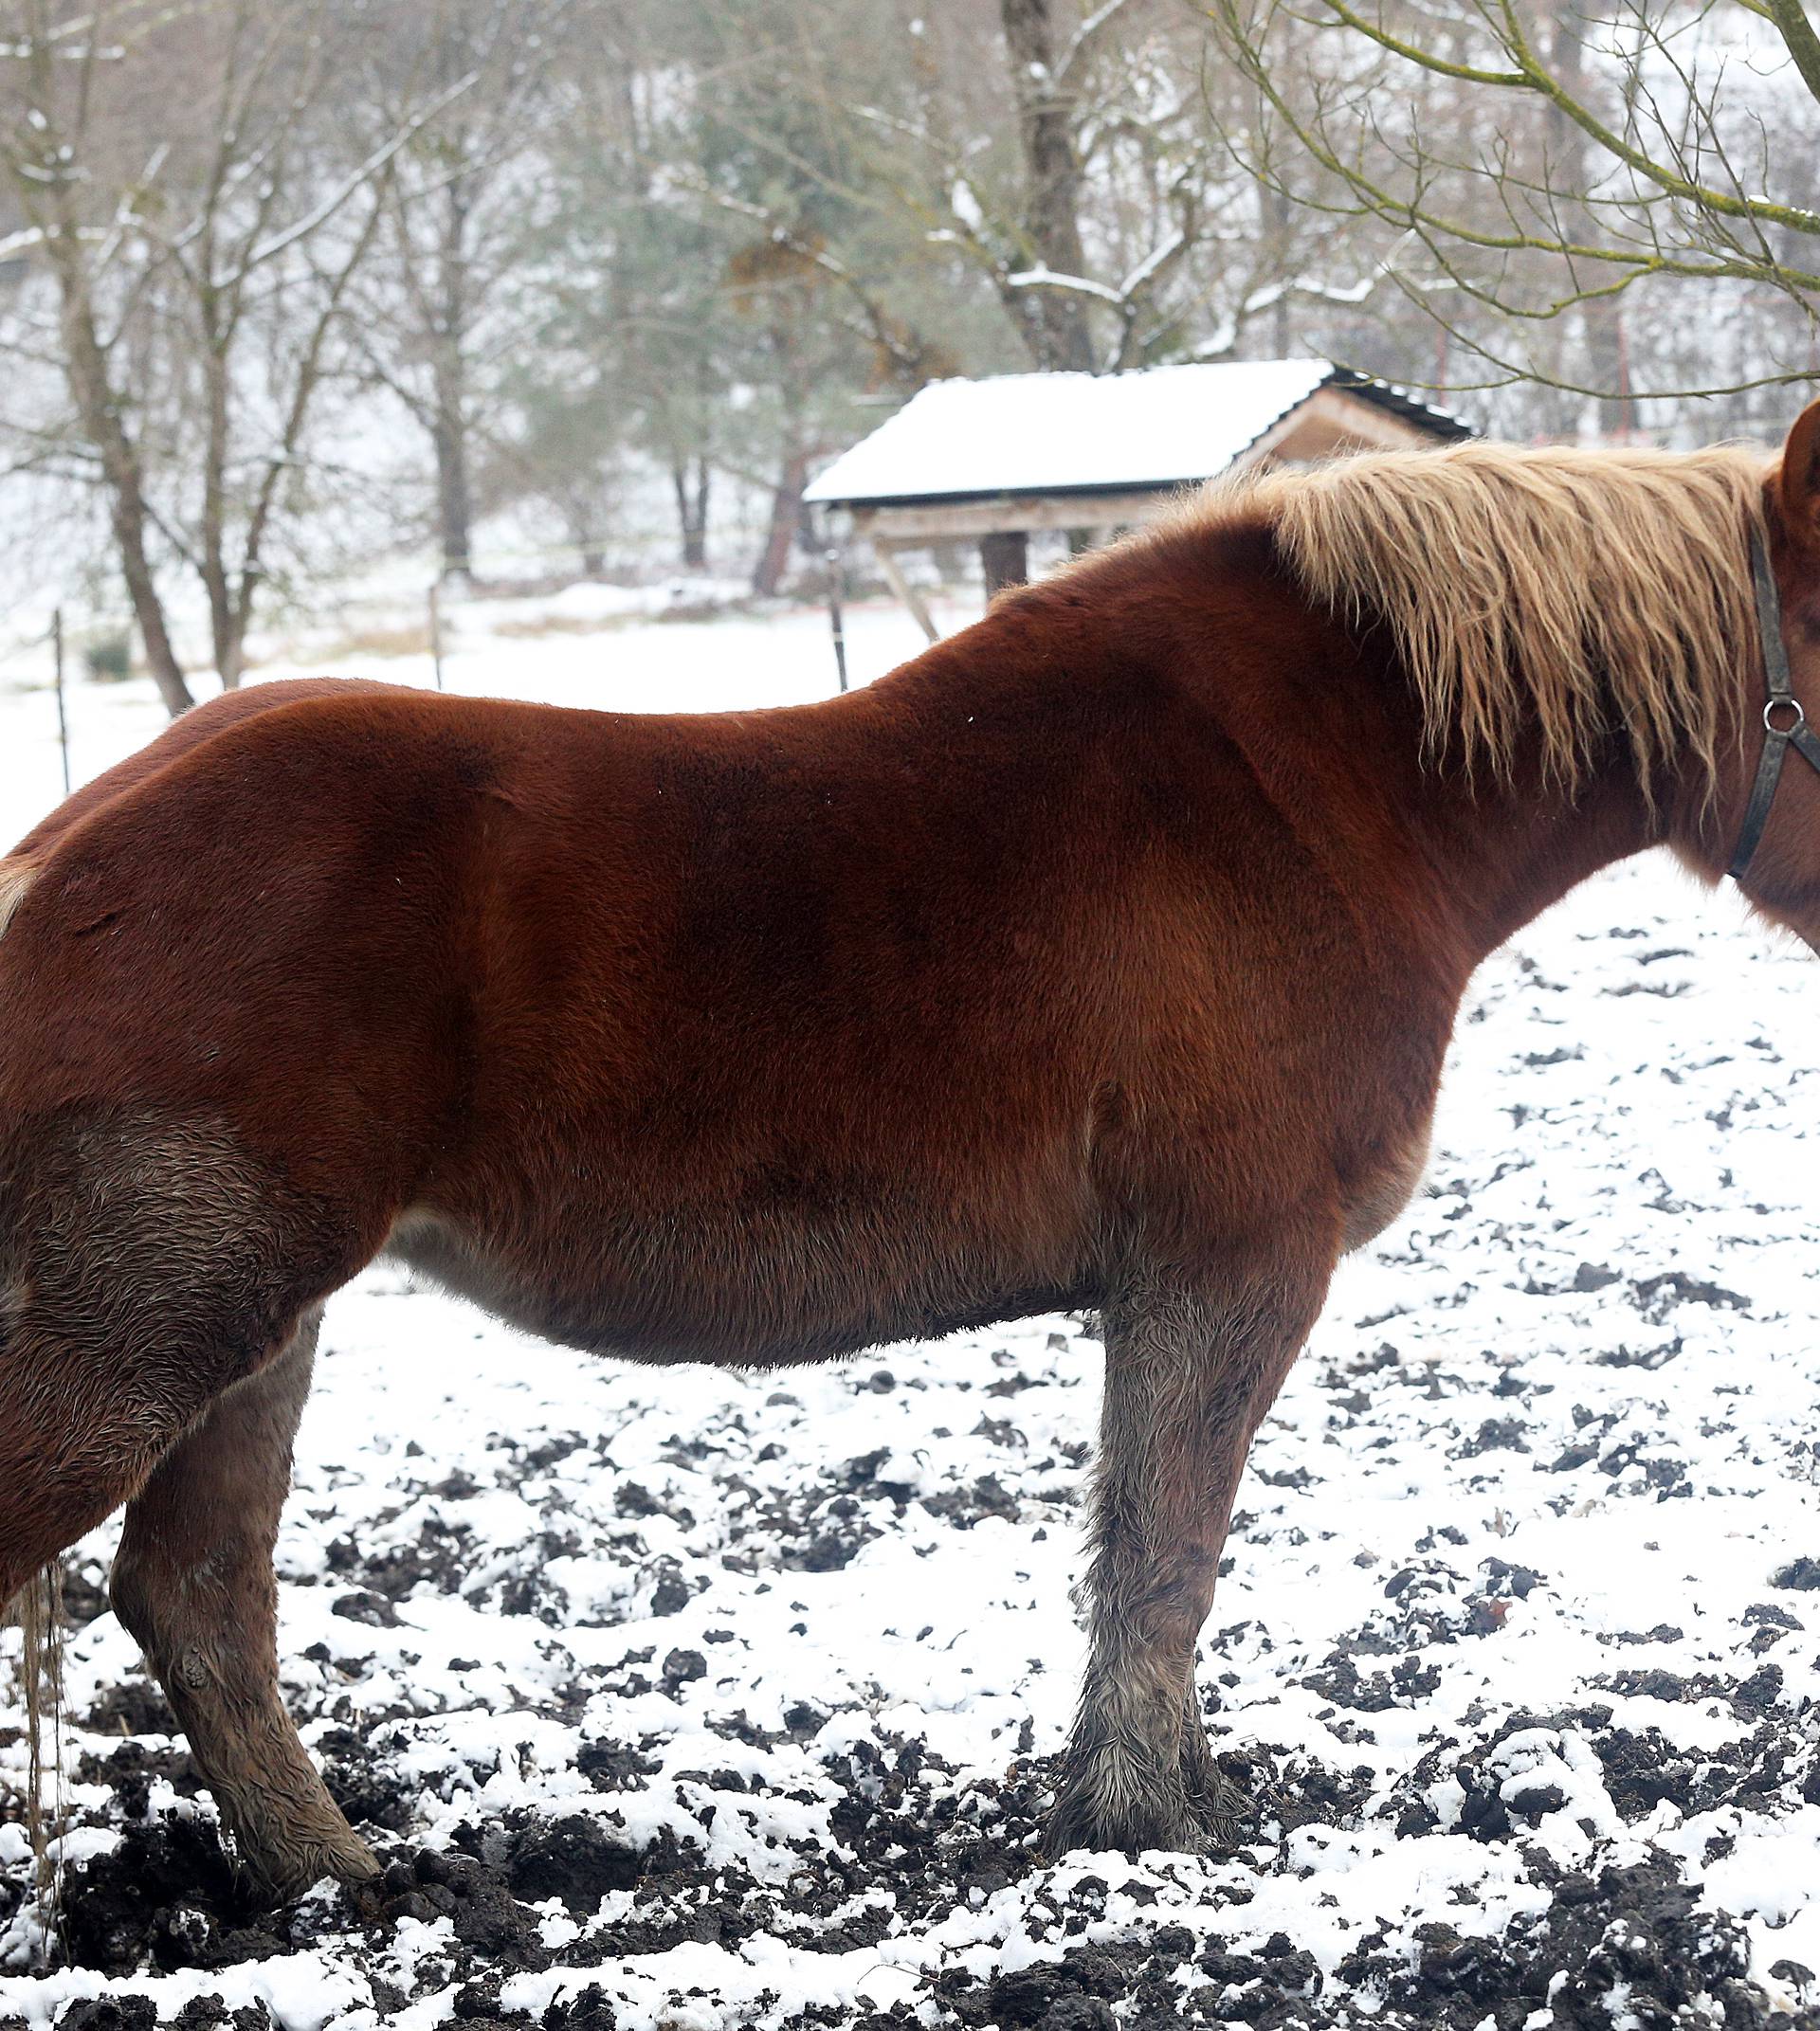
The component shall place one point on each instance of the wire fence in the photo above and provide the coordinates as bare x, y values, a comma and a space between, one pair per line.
79, 654
30, 659
62, 704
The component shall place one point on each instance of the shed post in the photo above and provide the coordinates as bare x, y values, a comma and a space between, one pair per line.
911, 595
436, 631
1005, 557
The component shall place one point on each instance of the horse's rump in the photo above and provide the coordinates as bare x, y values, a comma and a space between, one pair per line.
203, 722
193, 945
19, 869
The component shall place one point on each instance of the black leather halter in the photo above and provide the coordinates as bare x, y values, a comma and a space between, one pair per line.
1780, 704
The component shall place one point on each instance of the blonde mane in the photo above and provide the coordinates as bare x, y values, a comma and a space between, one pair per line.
1576, 593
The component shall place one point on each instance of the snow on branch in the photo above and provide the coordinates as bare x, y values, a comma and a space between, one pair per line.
1270, 294
356, 178
1159, 256
1084, 38
1048, 278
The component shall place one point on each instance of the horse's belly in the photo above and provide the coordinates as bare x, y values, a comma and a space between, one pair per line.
677, 1289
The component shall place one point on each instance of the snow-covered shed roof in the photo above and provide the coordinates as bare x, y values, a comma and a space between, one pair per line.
1075, 433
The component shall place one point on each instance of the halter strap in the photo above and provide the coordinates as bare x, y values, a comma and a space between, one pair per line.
1779, 703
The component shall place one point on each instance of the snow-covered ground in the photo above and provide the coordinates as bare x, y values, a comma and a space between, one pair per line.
707, 1701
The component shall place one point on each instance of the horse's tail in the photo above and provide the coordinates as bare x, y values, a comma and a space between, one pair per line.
16, 876
38, 1608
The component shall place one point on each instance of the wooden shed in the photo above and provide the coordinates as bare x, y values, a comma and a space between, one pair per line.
991, 460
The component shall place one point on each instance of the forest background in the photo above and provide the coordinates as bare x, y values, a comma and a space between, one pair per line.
544, 287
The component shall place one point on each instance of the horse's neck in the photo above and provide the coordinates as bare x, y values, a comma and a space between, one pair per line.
1489, 857
1332, 733
1534, 848
1154, 663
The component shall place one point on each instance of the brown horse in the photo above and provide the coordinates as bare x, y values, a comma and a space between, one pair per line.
1106, 955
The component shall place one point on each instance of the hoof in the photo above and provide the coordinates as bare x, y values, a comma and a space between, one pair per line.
280, 1873
1104, 1809
1225, 1813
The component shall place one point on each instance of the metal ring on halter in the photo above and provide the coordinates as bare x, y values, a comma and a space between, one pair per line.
1794, 726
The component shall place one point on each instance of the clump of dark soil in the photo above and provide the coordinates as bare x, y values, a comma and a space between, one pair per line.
576, 1860
484, 1915
165, 1898
1626, 1945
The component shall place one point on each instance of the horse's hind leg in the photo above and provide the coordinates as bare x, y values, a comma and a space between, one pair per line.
193, 1584
1189, 1376
74, 1443
152, 1275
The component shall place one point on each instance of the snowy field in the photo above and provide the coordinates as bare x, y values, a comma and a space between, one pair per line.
686, 1700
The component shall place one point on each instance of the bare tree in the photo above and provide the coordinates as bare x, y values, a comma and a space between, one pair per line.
1088, 234
182, 179
1543, 165
444, 305
1043, 79
1061, 153
51, 107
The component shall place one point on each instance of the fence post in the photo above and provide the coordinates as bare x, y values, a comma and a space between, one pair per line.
833, 558
436, 629
63, 717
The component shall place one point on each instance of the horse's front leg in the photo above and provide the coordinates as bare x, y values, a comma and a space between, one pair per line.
1191, 1370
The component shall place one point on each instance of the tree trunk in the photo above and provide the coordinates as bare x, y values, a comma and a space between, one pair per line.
579, 518
1571, 148
454, 504
1280, 205
692, 511
225, 629
85, 368
454, 501
786, 518
212, 559
128, 519
230, 656
1055, 321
